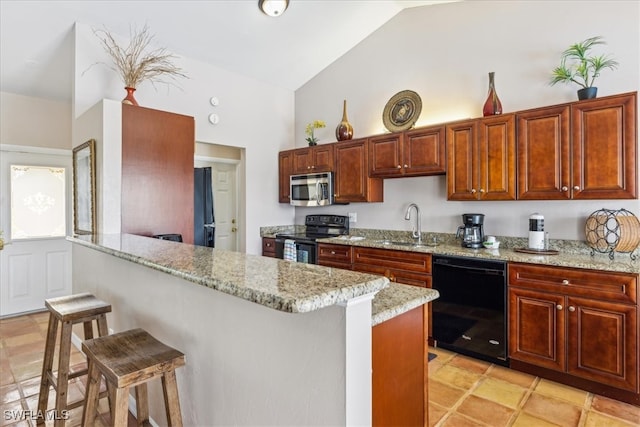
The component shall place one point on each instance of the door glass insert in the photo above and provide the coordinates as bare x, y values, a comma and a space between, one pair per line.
38, 206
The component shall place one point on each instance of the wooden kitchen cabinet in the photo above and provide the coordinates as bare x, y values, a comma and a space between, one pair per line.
580, 324
339, 256
410, 268
269, 247
285, 170
582, 150
604, 148
352, 182
318, 158
481, 159
418, 152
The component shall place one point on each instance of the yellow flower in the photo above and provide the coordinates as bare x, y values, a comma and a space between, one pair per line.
316, 124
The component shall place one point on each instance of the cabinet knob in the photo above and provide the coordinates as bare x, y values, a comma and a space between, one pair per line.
577, 188
565, 282
473, 191
398, 167
313, 167
482, 190
572, 308
565, 188
333, 252
308, 167
559, 306
406, 166
268, 244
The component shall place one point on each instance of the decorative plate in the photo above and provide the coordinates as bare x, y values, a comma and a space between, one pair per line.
402, 111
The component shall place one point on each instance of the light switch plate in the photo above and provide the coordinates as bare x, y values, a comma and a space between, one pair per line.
353, 217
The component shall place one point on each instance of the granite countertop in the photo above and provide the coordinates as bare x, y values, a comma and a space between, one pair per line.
282, 285
567, 256
397, 299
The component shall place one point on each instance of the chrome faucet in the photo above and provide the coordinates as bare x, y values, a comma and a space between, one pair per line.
416, 234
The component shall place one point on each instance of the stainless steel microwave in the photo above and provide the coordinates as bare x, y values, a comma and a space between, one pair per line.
311, 189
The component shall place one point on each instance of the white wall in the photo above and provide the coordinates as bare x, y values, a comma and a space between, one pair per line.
253, 115
444, 53
34, 122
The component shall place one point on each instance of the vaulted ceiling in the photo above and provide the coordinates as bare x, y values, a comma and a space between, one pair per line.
36, 37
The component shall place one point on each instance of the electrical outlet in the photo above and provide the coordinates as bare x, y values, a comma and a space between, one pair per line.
353, 217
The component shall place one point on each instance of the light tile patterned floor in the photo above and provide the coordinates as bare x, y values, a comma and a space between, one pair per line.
462, 391
468, 392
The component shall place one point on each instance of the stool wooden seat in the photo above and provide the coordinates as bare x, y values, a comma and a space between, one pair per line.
127, 359
69, 310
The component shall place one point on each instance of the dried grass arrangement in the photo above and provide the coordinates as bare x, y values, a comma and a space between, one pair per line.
138, 61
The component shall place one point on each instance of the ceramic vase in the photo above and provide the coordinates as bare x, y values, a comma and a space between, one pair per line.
492, 105
129, 99
344, 131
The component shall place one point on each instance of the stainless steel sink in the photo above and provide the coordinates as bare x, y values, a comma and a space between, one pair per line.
397, 243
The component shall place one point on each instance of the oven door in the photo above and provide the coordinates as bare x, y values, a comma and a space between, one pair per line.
311, 190
305, 251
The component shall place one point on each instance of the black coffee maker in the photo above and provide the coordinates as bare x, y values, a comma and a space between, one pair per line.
471, 232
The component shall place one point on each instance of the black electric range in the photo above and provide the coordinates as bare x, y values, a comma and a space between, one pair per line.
302, 247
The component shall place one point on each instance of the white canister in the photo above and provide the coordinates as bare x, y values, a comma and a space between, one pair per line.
536, 231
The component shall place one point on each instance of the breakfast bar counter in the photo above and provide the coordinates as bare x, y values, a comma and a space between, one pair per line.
267, 341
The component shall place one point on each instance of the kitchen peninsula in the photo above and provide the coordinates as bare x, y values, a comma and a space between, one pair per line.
267, 342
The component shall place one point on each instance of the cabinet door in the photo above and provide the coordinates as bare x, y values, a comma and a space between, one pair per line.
285, 170
322, 156
497, 158
424, 152
385, 155
605, 148
537, 328
462, 176
602, 342
302, 160
351, 180
543, 154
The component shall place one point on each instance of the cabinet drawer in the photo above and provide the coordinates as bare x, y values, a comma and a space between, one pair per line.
332, 254
601, 285
398, 276
268, 246
399, 260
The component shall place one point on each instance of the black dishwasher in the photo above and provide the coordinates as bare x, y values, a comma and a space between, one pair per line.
469, 317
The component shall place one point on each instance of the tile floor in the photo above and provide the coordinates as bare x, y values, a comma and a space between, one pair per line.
463, 391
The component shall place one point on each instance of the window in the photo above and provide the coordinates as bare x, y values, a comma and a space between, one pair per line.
38, 207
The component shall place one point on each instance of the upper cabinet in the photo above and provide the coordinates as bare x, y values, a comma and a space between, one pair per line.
418, 152
481, 159
285, 170
604, 148
583, 150
318, 158
352, 182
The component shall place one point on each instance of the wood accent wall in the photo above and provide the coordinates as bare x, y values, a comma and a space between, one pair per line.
157, 172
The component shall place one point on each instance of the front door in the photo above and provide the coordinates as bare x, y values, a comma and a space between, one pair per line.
33, 269
225, 207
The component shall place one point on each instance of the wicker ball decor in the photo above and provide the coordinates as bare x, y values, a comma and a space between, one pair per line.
613, 230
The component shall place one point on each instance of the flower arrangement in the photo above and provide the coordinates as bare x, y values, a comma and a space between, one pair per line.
316, 124
137, 62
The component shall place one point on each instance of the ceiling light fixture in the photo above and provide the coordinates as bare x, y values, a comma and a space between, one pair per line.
273, 7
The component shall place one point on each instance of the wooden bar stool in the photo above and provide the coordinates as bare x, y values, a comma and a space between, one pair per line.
69, 310
131, 359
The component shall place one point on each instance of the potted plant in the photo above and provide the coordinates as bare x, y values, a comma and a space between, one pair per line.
578, 67
138, 61
311, 138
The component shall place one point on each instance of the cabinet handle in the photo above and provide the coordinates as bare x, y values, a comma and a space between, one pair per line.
565, 188
481, 190
308, 167
333, 252
398, 167
576, 188
313, 167
559, 306
268, 244
406, 166
572, 308
473, 191
565, 282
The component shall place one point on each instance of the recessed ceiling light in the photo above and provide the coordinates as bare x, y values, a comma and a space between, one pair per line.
273, 7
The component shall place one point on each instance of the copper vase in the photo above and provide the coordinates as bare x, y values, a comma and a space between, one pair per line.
344, 131
129, 99
492, 105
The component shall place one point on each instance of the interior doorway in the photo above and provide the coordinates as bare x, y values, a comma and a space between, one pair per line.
227, 176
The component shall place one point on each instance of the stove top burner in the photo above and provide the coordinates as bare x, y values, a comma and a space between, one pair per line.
320, 226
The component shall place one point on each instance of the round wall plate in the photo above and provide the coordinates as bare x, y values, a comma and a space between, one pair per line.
402, 111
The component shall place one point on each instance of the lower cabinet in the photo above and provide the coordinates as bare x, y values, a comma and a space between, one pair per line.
409, 268
269, 247
339, 256
400, 370
580, 324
